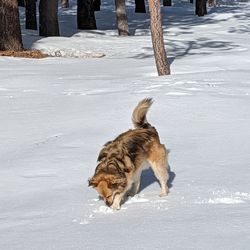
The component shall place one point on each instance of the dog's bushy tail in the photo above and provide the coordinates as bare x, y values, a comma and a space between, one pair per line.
139, 114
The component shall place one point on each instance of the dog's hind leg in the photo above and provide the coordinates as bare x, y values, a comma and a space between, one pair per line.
134, 188
135, 185
159, 164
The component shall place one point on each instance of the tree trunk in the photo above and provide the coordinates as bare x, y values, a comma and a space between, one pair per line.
205, 6
162, 65
211, 3
140, 6
30, 14
48, 18
121, 18
85, 15
167, 2
65, 3
21, 3
10, 31
97, 5
200, 7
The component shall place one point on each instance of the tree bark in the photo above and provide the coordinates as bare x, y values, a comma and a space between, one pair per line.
21, 3
97, 5
85, 15
161, 61
200, 7
140, 6
211, 3
30, 14
121, 18
167, 2
10, 31
65, 3
205, 6
48, 18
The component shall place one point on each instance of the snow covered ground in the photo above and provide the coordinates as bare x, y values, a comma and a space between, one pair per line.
56, 113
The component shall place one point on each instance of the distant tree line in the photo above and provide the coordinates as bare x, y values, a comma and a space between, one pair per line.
10, 31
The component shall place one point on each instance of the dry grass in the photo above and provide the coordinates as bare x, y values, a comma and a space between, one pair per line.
36, 54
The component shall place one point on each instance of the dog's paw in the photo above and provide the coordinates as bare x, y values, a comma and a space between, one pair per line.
163, 194
116, 207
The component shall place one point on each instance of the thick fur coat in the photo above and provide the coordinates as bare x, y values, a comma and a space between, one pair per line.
121, 161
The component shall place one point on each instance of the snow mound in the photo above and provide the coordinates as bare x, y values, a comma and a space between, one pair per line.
73, 53
66, 47
104, 210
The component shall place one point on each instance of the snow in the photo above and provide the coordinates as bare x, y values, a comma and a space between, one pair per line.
57, 112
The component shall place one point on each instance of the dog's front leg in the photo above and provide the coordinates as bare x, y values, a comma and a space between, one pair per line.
117, 202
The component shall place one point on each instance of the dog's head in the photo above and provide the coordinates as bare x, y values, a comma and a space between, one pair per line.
108, 186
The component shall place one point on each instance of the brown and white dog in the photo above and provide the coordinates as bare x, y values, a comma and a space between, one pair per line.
121, 161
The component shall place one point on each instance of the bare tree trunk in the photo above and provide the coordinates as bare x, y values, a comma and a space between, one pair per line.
21, 3
205, 6
97, 5
121, 18
200, 7
162, 65
10, 31
48, 17
167, 2
30, 14
65, 3
212, 3
140, 6
85, 15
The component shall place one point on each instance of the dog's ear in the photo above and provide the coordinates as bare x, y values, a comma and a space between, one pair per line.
93, 182
102, 154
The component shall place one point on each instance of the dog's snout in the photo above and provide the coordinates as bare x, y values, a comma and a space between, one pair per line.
108, 203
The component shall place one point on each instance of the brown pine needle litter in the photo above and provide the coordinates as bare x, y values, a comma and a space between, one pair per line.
35, 54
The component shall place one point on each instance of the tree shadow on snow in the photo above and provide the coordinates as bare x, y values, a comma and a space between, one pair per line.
148, 178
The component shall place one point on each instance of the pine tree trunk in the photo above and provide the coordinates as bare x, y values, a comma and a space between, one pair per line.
97, 5
121, 18
200, 7
65, 3
10, 31
205, 6
211, 3
162, 65
85, 15
21, 3
140, 6
30, 14
48, 18
167, 2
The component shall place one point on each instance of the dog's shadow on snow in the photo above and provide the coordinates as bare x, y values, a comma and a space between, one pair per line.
148, 178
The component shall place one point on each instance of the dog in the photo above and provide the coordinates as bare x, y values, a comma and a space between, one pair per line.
121, 161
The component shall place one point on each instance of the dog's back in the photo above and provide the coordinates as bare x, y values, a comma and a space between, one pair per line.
134, 142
